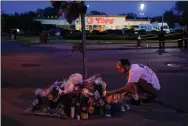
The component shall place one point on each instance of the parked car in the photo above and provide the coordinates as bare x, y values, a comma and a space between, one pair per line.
55, 32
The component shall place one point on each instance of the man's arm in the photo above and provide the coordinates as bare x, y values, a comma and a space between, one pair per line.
121, 90
117, 91
134, 77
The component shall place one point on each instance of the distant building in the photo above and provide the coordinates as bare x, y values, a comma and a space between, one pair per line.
98, 22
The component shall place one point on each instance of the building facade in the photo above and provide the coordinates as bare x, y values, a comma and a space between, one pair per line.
98, 22
101, 22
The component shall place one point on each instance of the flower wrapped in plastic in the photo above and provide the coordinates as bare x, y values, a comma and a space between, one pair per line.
94, 86
49, 97
93, 90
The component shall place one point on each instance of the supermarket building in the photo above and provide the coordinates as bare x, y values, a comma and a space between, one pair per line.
98, 22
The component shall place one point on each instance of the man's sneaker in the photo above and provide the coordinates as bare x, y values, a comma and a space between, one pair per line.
134, 102
122, 109
108, 115
164, 51
160, 52
125, 108
148, 99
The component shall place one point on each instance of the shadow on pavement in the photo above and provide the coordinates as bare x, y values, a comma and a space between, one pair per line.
8, 121
25, 101
4, 84
160, 113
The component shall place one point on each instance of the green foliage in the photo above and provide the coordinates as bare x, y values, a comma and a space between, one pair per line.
71, 9
181, 6
94, 12
170, 18
21, 21
116, 37
131, 15
184, 18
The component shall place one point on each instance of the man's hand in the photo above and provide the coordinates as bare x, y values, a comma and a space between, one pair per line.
117, 91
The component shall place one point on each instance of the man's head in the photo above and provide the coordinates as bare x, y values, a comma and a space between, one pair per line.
123, 65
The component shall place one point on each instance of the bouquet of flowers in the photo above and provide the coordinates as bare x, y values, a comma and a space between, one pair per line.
49, 100
74, 96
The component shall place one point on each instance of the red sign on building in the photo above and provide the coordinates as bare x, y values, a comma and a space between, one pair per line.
100, 20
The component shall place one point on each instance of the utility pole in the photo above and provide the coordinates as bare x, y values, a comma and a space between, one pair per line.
73, 11
84, 46
162, 19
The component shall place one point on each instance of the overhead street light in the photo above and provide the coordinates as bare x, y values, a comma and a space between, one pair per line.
141, 13
88, 9
142, 6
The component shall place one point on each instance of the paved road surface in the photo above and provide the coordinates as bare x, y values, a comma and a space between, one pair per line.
105, 46
23, 71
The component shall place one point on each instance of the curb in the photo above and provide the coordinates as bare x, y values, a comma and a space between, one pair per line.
112, 43
96, 49
120, 48
129, 48
20, 43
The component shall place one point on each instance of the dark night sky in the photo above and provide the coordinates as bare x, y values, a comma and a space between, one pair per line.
109, 7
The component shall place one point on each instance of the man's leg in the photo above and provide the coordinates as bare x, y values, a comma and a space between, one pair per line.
141, 87
134, 91
159, 45
148, 89
185, 41
163, 45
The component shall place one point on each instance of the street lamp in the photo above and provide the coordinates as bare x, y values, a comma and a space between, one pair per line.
88, 9
162, 18
142, 7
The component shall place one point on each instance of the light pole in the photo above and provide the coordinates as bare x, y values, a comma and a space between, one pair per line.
88, 8
84, 46
83, 12
142, 7
162, 19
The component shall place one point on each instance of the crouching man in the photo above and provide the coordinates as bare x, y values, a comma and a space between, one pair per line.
141, 79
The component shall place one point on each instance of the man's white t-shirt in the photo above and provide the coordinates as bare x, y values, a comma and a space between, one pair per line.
140, 71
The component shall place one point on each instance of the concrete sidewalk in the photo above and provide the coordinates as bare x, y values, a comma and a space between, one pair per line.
149, 114
66, 46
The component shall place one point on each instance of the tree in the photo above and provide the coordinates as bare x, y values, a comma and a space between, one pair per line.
102, 13
184, 18
72, 10
170, 18
31, 14
94, 12
123, 14
4, 18
49, 11
182, 8
23, 21
40, 12
156, 19
131, 15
